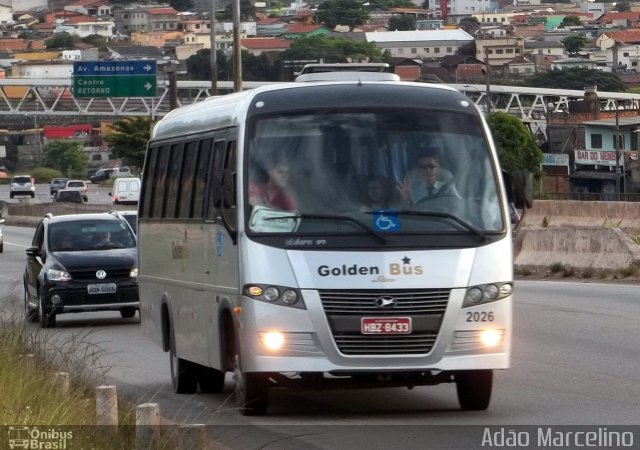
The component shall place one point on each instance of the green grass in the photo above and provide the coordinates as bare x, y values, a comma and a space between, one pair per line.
31, 395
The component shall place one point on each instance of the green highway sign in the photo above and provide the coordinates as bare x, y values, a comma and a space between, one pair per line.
115, 86
114, 78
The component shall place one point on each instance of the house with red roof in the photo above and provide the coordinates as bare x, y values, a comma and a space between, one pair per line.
608, 39
257, 46
96, 8
620, 19
297, 31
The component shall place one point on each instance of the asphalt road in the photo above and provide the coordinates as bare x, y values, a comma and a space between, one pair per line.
575, 362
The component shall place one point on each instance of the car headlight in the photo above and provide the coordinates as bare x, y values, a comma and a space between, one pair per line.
133, 273
485, 293
58, 275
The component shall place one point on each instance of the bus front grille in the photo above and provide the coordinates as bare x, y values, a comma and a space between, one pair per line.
366, 301
345, 309
410, 344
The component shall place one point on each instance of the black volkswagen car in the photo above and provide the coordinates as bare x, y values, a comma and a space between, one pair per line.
80, 262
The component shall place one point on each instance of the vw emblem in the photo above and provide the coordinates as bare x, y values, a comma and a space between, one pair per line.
385, 302
101, 274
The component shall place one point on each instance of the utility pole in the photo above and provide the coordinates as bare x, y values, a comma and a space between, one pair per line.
214, 62
487, 79
237, 55
617, 148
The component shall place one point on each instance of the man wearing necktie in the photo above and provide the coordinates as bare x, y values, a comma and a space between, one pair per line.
428, 184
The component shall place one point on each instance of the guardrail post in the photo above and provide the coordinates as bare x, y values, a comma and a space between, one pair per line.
192, 437
61, 380
107, 405
147, 425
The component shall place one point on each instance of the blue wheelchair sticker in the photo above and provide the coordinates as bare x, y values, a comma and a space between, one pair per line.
385, 221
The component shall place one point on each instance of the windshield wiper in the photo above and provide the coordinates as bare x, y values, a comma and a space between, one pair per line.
409, 212
378, 236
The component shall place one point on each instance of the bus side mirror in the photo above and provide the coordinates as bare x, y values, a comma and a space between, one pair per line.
521, 186
229, 210
523, 189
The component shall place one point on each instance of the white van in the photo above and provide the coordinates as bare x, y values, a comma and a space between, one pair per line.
125, 191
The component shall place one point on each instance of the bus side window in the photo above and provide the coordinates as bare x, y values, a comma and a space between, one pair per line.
174, 176
215, 180
187, 184
202, 171
148, 183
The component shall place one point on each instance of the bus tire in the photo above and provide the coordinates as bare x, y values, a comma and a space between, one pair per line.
474, 389
184, 376
211, 381
251, 390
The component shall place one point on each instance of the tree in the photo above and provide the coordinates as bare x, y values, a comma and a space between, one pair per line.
402, 23
68, 157
384, 5
577, 78
342, 12
61, 40
331, 50
516, 145
97, 41
128, 139
574, 42
569, 21
247, 11
259, 68
199, 65
181, 5
623, 7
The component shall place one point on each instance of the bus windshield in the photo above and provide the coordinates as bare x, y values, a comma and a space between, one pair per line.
363, 171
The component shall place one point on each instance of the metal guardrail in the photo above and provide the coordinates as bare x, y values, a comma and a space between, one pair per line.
581, 196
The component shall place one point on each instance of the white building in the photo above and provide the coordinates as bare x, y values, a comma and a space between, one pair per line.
460, 7
623, 57
421, 43
84, 26
6, 16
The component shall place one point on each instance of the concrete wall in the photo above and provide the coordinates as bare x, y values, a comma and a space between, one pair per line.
27, 214
580, 235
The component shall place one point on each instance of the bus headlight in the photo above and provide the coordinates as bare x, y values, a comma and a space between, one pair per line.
289, 297
485, 293
277, 295
273, 340
271, 294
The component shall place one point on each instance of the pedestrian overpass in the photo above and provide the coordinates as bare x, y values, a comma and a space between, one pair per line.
38, 100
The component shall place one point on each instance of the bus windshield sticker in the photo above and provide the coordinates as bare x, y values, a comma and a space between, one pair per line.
385, 221
268, 220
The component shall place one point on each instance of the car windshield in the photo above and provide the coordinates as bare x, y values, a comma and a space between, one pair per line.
22, 180
387, 171
75, 184
90, 235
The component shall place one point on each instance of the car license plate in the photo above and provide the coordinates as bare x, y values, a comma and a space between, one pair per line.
107, 288
385, 325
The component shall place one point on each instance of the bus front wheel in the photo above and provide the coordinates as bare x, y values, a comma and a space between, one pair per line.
474, 389
251, 390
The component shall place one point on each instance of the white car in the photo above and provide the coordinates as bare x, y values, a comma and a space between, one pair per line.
22, 185
1, 238
78, 185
